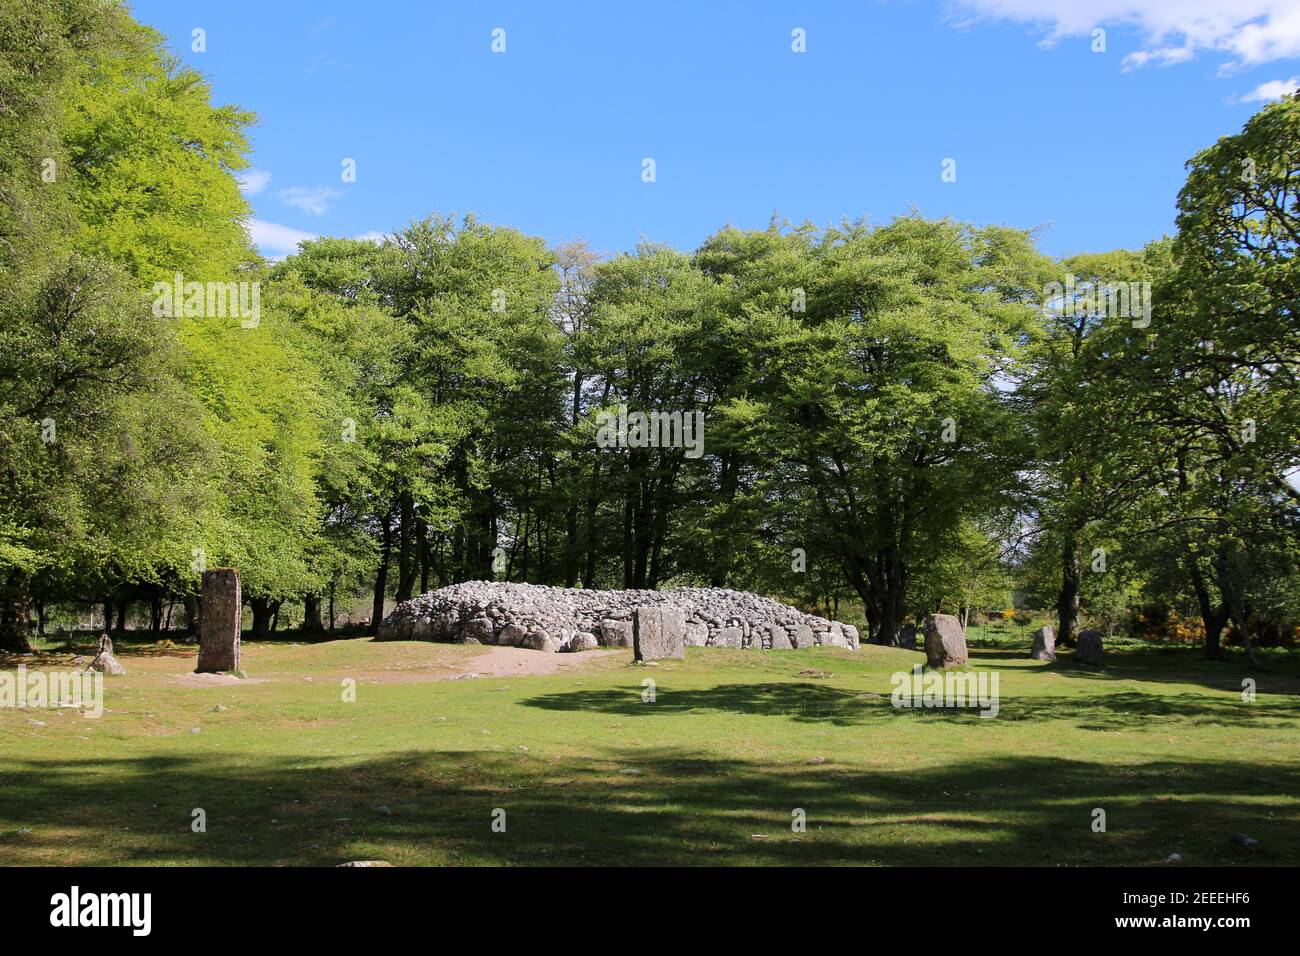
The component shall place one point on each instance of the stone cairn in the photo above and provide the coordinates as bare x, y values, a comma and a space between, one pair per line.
573, 619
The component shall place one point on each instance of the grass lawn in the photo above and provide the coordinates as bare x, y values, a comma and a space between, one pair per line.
710, 773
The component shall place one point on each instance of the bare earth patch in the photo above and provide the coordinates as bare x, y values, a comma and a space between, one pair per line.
493, 662
213, 680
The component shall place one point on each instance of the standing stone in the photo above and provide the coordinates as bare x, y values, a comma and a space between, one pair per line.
907, 637
1044, 644
615, 633
945, 642
851, 636
780, 637
658, 633
1089, 648
220, 621
729, 637
104, 661
803, 636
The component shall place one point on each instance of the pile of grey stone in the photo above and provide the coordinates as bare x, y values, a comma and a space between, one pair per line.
573, 619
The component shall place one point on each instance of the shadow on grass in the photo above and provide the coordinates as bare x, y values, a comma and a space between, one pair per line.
1165, 666
642, 807
820, 703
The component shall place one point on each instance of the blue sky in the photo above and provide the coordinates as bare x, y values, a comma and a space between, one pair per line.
550, 136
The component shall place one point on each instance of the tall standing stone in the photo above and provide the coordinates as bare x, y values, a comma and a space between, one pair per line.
658, 633
945, 642
1044, 644
220, 621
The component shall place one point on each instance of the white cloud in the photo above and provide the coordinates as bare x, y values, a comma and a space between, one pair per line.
372, 236
1272, 90
315, 201
253, 181
274, 240
1249, 32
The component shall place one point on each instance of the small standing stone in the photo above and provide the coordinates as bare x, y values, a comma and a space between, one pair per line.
658, 633
1089, 649
780, 637
104, 661
945, 642
1044, 644
220, 621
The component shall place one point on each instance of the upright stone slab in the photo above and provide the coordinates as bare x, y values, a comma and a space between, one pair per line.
104, 661
945, 642
803, 637
658, 633
780, 637
1089, 650
1044, 648
851, 636
220, 621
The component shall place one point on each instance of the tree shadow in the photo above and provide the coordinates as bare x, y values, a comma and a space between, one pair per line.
1168, 666
644, 807
819, 703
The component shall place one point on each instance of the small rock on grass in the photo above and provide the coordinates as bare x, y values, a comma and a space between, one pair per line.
366, 863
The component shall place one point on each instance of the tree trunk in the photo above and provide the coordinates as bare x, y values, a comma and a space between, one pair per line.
121, 615
1239, 620
333, 589
422, 531
1067, 601
381, 575
13, 613
1213, 618
311, 622
261, 616
406, 548
192, 609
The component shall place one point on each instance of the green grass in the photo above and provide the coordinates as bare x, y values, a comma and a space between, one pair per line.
710, 773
